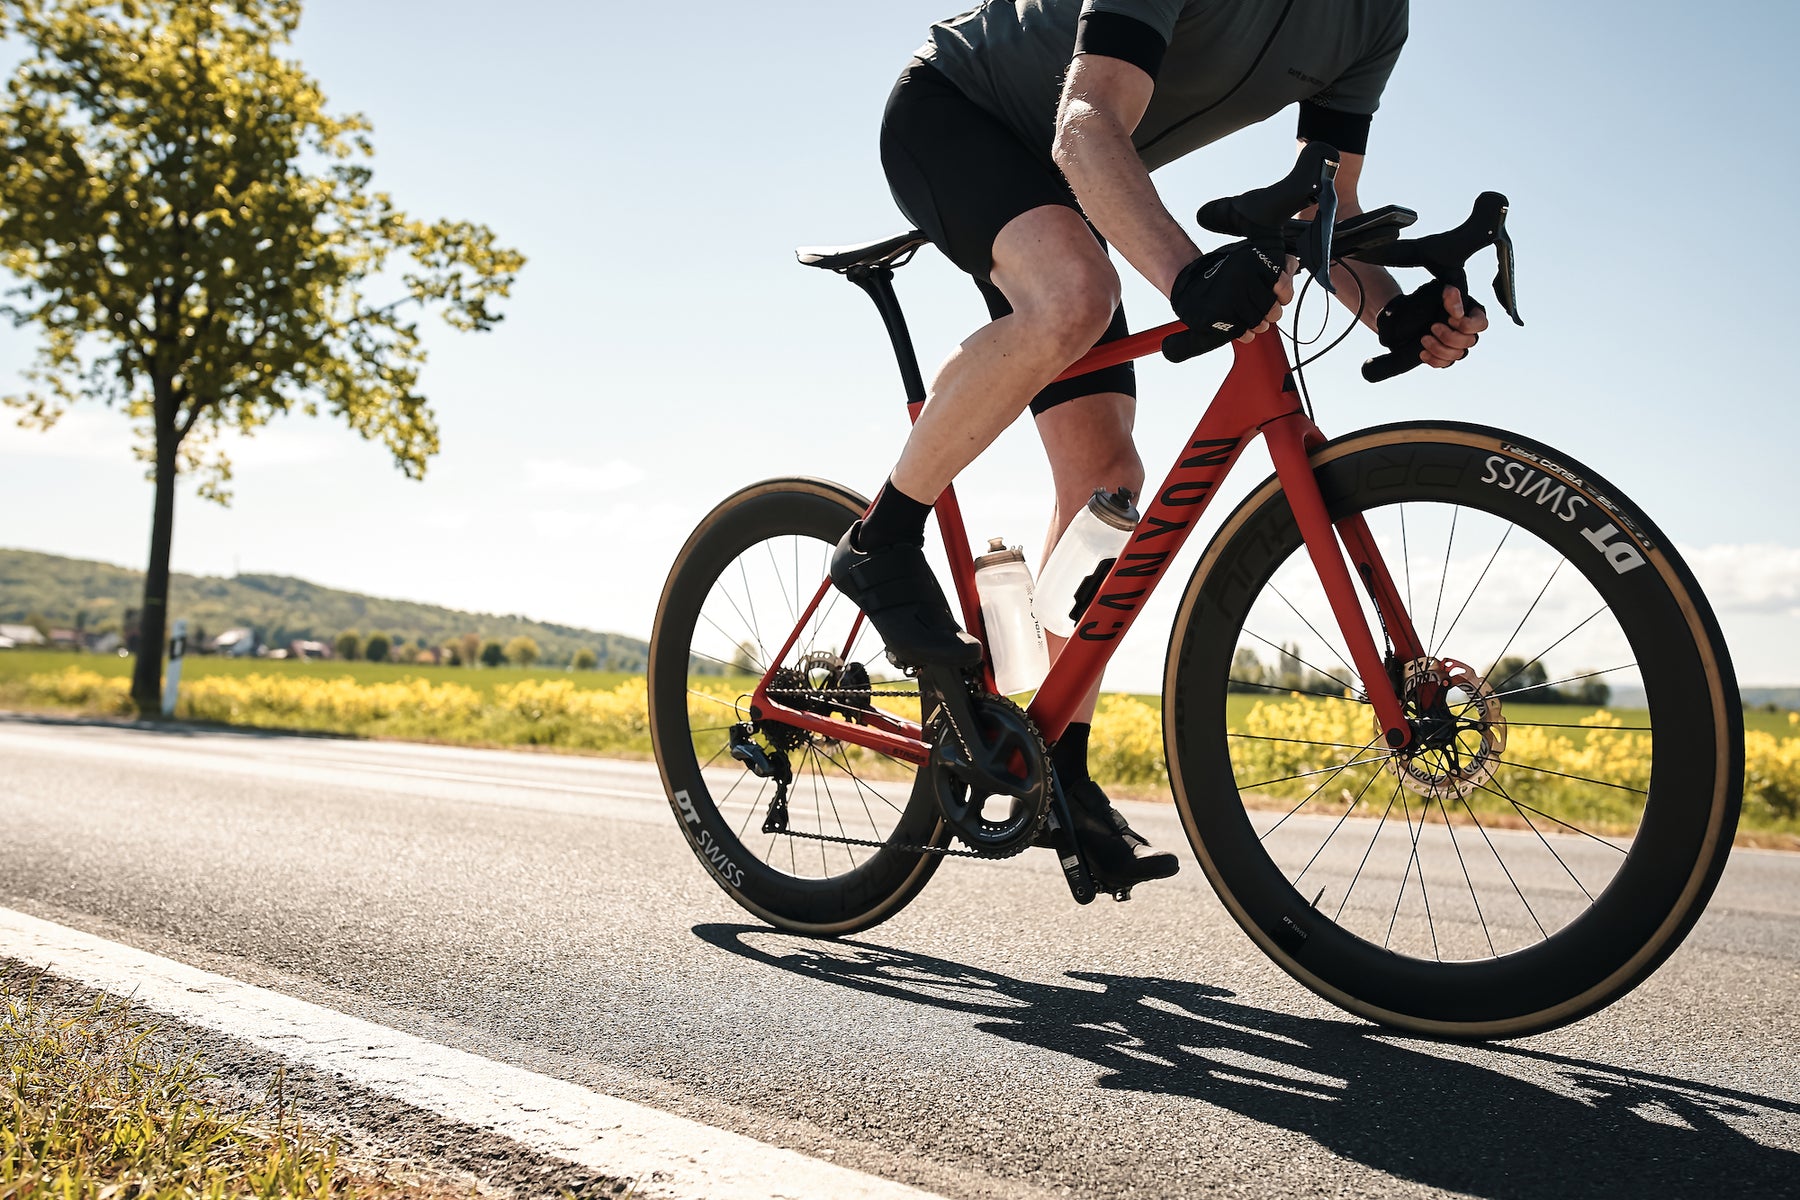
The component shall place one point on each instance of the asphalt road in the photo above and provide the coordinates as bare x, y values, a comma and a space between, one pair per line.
992, 1040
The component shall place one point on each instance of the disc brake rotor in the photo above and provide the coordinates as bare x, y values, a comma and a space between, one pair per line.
1459, 732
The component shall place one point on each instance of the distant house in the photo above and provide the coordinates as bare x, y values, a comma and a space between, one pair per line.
314, 650
65, 639
235, 643
21, 635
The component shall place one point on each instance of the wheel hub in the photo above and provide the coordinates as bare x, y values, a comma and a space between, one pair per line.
1459, 732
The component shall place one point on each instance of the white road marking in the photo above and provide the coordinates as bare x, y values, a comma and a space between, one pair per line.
666, 1156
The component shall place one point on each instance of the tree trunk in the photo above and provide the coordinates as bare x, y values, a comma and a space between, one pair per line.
146, 676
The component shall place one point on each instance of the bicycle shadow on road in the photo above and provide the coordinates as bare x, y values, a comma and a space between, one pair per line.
1413, 1108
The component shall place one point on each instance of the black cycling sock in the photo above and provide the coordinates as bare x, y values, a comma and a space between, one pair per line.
1069, 755
896, 519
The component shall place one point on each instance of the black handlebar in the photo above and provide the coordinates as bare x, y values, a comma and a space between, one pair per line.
1371, 237
1446, 256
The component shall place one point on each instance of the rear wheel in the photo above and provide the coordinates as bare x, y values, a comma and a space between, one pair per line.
841, 862
1570, 806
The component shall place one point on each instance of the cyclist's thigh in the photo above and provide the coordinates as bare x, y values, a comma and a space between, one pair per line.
958, 173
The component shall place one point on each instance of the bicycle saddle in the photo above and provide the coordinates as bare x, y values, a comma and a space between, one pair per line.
888, 252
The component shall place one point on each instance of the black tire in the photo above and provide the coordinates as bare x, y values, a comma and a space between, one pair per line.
710, 601
1608, 885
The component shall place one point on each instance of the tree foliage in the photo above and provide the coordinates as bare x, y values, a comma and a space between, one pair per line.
198, 243
377, 647
492, 654
522, 651
347, 645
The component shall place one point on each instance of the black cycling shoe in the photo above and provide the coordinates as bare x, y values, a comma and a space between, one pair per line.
1117, 854
895, 588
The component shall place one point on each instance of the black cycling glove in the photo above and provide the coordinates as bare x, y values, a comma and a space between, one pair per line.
1406, 322
1231, 290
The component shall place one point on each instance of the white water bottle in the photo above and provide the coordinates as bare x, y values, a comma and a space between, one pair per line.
1096, 535
1014, 638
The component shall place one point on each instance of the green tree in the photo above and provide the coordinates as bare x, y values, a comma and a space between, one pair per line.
469, 649
348, 645
492, 654
522, 651
585, 660
1521, 682
377, 647
199, 245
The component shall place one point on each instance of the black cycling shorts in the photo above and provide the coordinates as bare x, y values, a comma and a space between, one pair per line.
960, 176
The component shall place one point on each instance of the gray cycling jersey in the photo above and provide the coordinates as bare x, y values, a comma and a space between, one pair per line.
1229, 63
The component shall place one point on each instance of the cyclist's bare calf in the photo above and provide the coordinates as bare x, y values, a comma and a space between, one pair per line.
1089, 443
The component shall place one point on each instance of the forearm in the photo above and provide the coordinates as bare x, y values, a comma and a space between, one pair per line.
1095, 154
1369, 289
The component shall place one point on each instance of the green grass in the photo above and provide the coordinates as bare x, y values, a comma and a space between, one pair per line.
17, 664
96, 1101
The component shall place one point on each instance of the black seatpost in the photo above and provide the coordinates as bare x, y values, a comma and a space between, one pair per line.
878, 282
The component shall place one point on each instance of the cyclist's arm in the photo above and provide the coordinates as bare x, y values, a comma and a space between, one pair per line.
1102, 102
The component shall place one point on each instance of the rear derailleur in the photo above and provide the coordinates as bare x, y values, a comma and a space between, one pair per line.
765, 764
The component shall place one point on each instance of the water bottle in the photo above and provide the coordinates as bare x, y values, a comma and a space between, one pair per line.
1093, 539
1014, 638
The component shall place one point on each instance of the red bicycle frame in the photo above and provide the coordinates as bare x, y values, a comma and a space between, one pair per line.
1258, 396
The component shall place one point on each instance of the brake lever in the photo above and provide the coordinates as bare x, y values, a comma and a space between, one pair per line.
1315, 244
1504, 286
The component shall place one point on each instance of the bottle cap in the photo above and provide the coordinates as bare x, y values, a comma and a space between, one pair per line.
998, 553
1115, 508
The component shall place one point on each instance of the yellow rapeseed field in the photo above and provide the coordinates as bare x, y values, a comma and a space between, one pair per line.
1127, 744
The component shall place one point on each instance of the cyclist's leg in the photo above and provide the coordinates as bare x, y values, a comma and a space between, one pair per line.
1088, 441
1062, 291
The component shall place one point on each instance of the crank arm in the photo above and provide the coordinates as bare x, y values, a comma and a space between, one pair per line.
1068, 850
965, 754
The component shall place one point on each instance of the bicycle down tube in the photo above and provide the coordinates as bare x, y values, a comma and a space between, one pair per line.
1257, 396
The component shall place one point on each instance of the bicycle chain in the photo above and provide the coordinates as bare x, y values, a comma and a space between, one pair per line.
940, 851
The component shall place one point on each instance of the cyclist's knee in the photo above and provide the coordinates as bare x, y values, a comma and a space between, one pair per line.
1073, 318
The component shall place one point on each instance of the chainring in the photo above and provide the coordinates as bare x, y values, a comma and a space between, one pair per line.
1003, 727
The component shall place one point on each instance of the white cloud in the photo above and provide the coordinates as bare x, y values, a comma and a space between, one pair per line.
1748, 578
561, 475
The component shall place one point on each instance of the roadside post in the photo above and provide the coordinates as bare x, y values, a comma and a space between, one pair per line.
172, 683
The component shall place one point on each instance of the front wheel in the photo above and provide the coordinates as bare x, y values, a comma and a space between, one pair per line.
1558, 825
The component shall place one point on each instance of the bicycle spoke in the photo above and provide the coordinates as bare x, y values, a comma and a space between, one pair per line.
1370, 849
1538, 599
1357, 762
1556, 683
1315, 632
1579, 778
1357, 799
708, 696
1412, 858
1270, 687
1438, 649
1406, 560
1322, 786
1495, 851
750, 599
759, 665
835, 815
1444, 578
1258, 737
1546, 841
1283, 653
844, 766
1538, 657
793, 610
1463, 863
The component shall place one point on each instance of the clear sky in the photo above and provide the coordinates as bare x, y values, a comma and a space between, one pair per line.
659, 162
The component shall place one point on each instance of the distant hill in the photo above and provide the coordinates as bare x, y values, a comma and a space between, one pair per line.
74, 593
